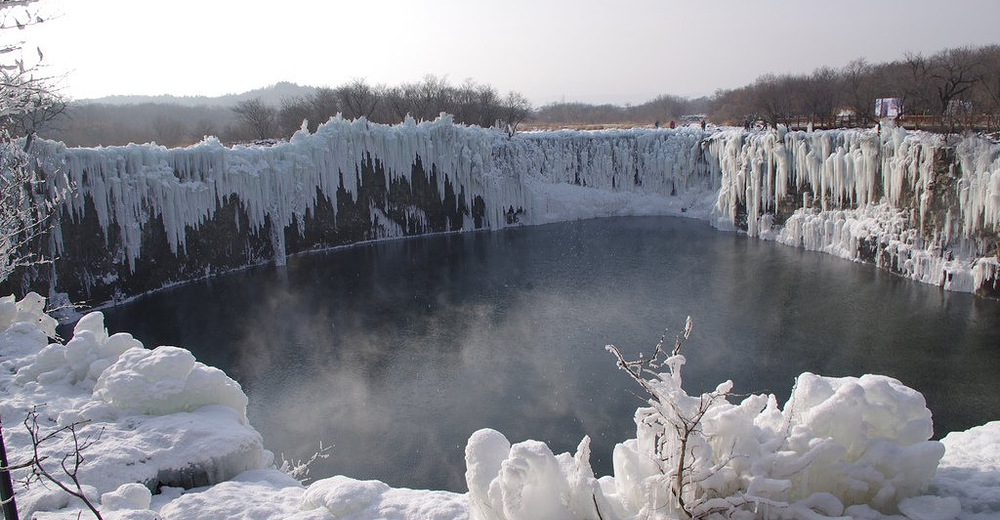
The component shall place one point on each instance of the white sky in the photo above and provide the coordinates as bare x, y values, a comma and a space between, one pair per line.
613, 51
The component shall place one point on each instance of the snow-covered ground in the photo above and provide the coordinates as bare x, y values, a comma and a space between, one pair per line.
159, 421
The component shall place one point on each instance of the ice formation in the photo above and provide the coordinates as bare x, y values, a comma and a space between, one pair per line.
890, 197
911, 202
840, 447
131, 184
856, 447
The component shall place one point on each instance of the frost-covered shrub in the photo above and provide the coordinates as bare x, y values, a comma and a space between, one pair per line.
855, 447
838, 444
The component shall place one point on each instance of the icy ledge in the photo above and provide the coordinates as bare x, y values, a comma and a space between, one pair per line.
841, 447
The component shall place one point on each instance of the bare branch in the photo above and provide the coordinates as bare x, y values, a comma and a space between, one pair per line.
41, 473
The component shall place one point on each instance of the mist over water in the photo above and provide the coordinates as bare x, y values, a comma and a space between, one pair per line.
395, 352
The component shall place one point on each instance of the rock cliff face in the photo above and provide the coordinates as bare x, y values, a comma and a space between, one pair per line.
137, 218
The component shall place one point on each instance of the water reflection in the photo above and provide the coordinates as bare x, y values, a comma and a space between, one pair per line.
396, 352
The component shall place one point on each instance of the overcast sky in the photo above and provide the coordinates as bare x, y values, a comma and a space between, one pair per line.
614, 51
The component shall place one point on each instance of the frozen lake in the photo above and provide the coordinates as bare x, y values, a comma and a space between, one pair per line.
394, 353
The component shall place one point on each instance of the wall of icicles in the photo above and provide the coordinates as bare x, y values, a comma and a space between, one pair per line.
140, 217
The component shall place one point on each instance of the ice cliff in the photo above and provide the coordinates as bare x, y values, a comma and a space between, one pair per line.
136, 218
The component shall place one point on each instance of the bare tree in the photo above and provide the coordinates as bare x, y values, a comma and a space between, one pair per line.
292, 113
204, 128
430, 97
678, 418
397, 102
258, 117
915, 89
859, 89
955, 72
989, 83
514, 111
358, 99
170, 132
325, 104
773, 97
820, 93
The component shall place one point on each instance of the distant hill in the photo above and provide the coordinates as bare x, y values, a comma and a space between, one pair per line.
271, 95
167, 120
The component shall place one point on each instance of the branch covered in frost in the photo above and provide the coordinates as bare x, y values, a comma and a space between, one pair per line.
70, 462
681, 449
299, 469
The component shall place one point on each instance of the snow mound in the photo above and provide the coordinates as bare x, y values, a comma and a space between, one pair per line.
167, 380
527, 481
127, 496
30, 309
970, 471
272, 495
344, 498
252, 495
865, 440
150, 418
81, 360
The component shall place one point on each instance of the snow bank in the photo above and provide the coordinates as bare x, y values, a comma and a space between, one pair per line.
970, 471
157, 417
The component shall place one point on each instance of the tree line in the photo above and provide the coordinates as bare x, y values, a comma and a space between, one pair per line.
953, 82
470, 103
663, 109
957, 83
